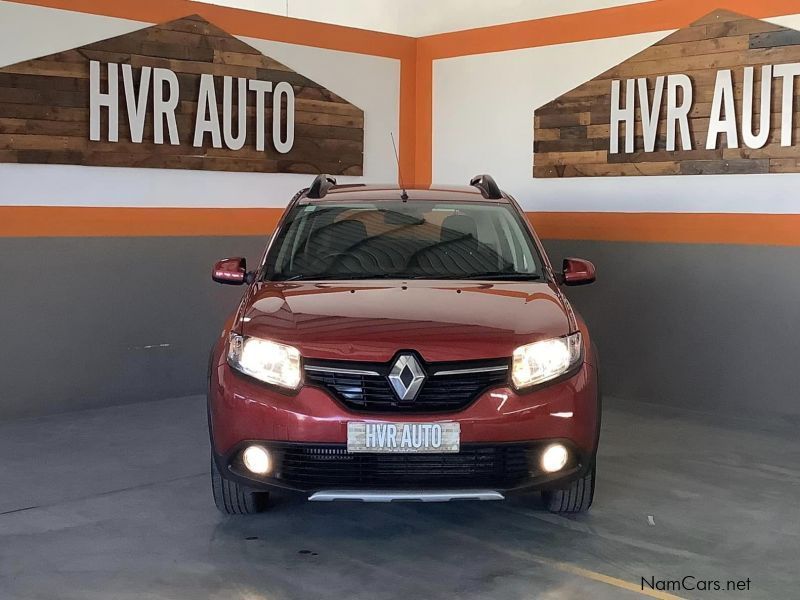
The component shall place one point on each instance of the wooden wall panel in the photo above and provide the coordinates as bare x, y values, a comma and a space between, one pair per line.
571, 133
44, 107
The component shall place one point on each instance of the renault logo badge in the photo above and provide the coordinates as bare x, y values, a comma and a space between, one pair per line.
406, 377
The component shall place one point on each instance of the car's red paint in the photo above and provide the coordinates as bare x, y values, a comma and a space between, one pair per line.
578, 271
230, 271
442, 321
371, 321
242, 409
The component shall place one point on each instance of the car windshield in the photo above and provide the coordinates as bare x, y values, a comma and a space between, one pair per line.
403, 240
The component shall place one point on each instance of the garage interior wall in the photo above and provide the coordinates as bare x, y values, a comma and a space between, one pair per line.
107, 296
107, 292
695, 302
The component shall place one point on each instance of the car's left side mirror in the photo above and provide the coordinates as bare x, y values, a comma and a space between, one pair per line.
577, 271
231, 271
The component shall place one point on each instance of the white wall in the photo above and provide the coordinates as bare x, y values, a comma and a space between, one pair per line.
419, 17
484, 124
371, 83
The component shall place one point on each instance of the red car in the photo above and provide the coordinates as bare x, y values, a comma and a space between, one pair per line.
403, 345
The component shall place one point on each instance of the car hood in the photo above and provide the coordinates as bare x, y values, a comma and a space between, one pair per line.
373, 320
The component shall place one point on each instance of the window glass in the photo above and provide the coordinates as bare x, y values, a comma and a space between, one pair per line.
403, 240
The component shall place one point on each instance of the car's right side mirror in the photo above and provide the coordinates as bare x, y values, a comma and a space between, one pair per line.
577, 271
231, 271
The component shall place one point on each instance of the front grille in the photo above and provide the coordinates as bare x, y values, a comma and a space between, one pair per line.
330, 466
373, 392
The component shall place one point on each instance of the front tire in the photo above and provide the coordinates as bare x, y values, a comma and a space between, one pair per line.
576, 498
232, 498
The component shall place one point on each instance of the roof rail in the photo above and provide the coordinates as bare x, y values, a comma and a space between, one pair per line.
487, 185
322, 183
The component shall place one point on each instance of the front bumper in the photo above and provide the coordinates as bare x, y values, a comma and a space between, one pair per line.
308, 467
502, 434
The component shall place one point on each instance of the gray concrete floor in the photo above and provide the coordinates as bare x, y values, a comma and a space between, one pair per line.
115, 504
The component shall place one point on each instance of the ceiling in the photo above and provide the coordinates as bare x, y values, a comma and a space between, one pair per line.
418, 18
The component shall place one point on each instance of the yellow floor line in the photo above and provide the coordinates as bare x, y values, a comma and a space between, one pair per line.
567, 568
620, 583
586, 573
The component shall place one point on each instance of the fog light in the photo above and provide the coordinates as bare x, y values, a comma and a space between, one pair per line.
554, 458
257, 460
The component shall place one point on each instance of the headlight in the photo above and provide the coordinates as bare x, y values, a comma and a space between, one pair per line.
270, 362
545, 360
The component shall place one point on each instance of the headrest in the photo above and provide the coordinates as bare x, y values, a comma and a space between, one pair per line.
459, 225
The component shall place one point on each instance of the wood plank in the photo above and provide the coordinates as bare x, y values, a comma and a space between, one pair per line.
40, 142
32, 82
248, 60
577, 132
40, 127
726, 167
774, 151
49, 68
59, 98
784, 165
61, 157
774, 39
49, 113
693, 48
313, 118
565, 158
567, 103
570, 145
195, 67
289, 76
329, 132
317, 93
664, 156
547, 134
333, 108
561, 120
608, 170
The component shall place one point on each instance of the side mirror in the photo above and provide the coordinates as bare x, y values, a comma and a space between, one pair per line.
231, 271
578, 272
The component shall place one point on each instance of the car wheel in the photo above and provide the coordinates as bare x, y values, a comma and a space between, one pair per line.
574, 499
232, 498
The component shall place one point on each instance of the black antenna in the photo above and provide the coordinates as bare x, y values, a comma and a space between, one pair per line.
404, 195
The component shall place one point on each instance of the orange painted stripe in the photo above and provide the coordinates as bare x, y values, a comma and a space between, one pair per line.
679, 228
423, 115
57, 221
685, 228
408, 123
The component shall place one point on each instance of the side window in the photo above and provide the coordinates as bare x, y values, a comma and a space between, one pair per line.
304, 223
518, 254
504, 246
299, 234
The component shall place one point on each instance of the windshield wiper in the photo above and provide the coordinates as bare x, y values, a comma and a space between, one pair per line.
339, 276
496, 275
489, 275
290, 278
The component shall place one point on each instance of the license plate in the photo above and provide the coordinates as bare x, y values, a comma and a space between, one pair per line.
403, 437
